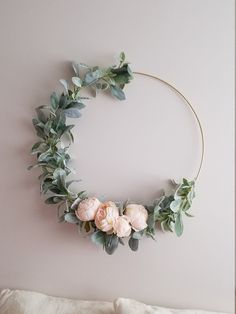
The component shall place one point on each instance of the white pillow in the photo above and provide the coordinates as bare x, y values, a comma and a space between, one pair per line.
26, 302
128, 306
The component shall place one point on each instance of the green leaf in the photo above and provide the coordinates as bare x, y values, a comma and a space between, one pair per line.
111, 243
137, 235
54, 101
71, 218
36, 145
41, 116
72, 113
53, 200
75, 67
60, 178
122, 57
133, 244
63, 101
151, 221
43, 156
102, 86
76, 104
175, 205
76, 81
189, 215
98, 237
59, 172
64, 84
59, 120
179, 225
117, 92
89, 78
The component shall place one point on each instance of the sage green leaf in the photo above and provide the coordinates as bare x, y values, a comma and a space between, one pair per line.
90, 78
72, 113
121, 241
43, 156
54, 101
64, 84
117, 92
53, 200
41, 116
122, 57
59, 120
76, 203
98, 237
60, 179
35, 121
188, 215
75, 67
40, 132
137, 235
151, 221
76, 104
63, 101
176, 205
77, 81
133, 244
179, 225
71, 218
59, 172
130, 72
102, 86
111, 243
36, 145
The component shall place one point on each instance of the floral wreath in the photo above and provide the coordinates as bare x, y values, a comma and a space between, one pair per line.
108, 222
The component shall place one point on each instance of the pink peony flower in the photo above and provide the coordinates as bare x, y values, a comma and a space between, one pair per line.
106, 215
121, 226
137, 215
87, 209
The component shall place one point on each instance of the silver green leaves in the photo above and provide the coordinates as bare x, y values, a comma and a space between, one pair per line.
52, 157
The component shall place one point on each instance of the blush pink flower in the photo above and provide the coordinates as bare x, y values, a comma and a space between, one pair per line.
121, 226
137, 215
87, 209
106, 215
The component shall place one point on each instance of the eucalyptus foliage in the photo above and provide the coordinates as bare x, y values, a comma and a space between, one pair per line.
53, 158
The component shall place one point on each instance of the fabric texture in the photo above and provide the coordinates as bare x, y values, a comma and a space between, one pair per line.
129, 306
26, 302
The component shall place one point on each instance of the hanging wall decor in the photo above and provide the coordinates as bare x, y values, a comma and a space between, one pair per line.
108, 223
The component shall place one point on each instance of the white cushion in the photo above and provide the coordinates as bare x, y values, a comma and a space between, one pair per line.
26, 302
128, 306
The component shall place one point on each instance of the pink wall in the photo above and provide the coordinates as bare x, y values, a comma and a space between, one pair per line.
189, 43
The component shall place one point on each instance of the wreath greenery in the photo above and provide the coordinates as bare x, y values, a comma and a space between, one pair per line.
108, 223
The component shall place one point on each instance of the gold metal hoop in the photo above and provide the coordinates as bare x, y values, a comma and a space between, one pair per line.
193, 111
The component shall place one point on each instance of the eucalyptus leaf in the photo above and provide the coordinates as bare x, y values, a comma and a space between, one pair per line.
117, 92
137, 235
98, 237
72, 113
64, 84
76, 81
71, 218
133, 244
54, 101
75, 67
176, 205
53, 200
179, 225
111, 243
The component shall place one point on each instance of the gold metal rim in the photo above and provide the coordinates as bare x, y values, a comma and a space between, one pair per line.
193, 111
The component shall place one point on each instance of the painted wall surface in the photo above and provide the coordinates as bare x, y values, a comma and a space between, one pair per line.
122, 150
